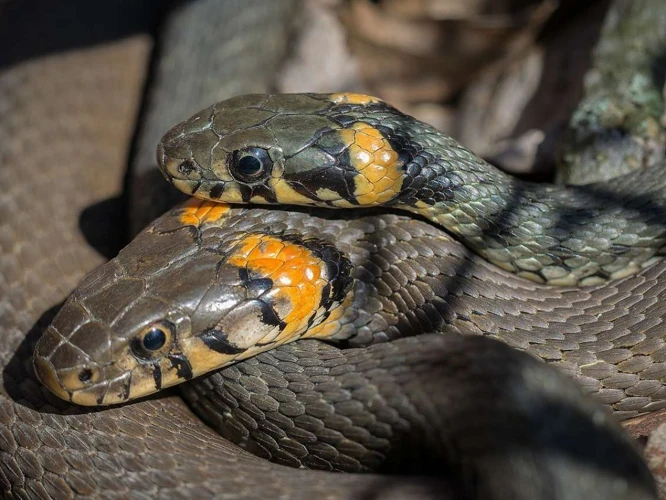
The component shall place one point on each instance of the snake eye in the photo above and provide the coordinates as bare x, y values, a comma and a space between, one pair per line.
154, 340
250, 164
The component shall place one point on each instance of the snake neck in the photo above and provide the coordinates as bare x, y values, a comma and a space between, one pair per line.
552, 234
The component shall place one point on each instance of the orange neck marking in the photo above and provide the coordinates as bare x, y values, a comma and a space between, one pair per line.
298, 276
195, 212
380, 173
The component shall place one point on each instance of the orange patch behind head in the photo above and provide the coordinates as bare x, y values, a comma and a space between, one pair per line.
380, 173
298, 276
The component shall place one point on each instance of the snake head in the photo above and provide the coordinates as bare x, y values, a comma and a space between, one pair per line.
184, 298
340, 150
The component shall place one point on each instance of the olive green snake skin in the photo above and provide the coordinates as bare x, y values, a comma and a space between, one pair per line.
157, 448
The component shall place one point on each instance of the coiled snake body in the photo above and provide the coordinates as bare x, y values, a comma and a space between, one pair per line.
207, 284
258, 286
409, 276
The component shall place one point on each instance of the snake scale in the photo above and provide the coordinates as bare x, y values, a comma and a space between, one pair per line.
157, 448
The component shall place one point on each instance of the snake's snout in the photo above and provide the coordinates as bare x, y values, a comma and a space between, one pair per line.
183, 153
174, 165
66, 369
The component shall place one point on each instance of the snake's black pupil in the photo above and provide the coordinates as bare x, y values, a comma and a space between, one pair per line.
249, 165
154, 339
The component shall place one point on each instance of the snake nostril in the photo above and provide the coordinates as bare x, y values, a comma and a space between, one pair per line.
186, 167
85, 375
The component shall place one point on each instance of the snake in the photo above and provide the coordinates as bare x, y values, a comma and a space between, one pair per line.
346, 150
156, 447
275, 284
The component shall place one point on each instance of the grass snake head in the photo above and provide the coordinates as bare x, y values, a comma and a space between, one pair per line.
202, 287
